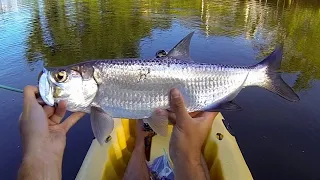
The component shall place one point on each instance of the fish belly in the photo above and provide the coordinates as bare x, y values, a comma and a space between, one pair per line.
136, 90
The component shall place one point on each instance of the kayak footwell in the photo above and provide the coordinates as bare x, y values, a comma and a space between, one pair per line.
221, 152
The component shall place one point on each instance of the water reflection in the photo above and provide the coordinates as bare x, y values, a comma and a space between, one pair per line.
266, 23
69, 32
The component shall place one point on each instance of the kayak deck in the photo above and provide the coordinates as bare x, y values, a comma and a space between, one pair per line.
221, 152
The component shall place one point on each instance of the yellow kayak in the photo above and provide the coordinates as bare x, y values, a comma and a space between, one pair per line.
222, 154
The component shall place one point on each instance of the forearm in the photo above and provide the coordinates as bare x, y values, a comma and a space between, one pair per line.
137, 167
40, 167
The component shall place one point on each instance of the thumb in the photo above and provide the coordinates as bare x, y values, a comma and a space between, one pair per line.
177, 104
29, 94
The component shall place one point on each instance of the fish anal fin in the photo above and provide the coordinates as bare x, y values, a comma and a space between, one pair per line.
102, 124
181, 50
159, 122
227, 106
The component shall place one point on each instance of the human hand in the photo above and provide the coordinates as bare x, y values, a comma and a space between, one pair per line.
190, 130
42, 133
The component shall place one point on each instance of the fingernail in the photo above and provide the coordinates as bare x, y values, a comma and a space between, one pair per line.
160, 112
175, 94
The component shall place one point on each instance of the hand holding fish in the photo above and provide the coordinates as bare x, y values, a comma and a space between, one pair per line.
188, 136
43, 137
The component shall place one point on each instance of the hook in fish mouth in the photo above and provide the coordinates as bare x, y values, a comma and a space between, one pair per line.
46, 91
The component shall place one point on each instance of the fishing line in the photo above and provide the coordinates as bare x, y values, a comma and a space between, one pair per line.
39, 100
11, 88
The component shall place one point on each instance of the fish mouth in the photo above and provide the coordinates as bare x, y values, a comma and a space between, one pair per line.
46, 91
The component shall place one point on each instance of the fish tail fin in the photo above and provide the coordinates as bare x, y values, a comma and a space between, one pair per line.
265, 74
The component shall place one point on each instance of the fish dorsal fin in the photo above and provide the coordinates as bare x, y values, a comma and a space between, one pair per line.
181, 50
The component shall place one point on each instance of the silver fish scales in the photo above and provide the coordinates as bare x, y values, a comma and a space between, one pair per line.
134, 88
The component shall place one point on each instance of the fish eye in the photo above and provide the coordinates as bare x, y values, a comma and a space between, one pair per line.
61, 76
161, 53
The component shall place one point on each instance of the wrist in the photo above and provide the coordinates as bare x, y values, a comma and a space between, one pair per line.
139, 144
43, 148
191, 156
188, 167
139, 148
40, 156
40, 166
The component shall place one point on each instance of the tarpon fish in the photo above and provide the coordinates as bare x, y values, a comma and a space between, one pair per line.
134, 88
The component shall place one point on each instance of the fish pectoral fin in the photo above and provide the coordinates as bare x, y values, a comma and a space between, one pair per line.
159, 122
181, 50
227, 106
102, 124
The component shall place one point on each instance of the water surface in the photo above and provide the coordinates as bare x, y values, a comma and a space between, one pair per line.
279, 139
